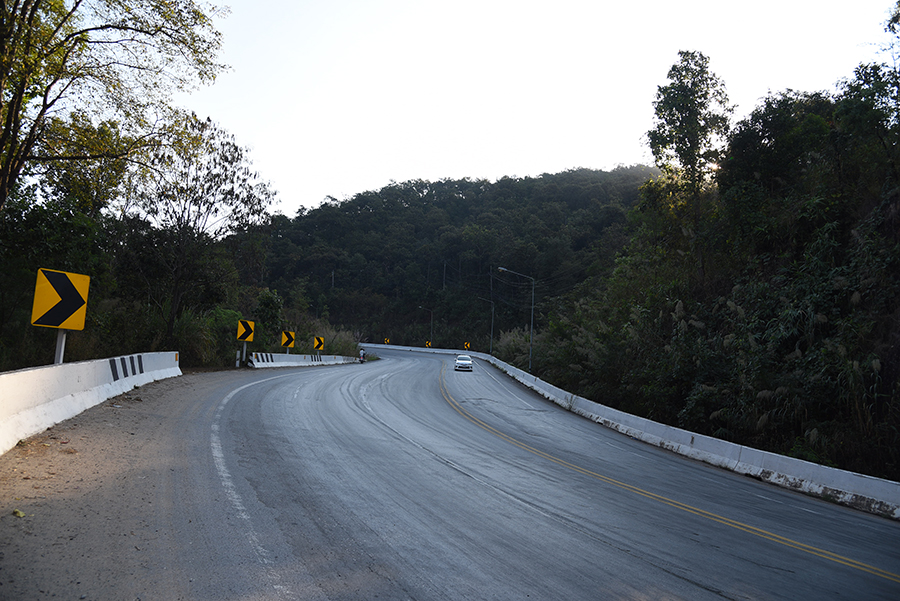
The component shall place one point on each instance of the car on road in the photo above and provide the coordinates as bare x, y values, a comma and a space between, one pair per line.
463, 363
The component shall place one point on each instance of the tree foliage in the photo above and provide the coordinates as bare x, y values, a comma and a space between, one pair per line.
200, 188
200, 180
789, 340
90, 185
691, 118
371, 261
105, 58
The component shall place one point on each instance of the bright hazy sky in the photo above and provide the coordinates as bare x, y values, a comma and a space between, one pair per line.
336, 97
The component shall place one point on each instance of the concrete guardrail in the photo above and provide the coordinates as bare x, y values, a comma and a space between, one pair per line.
874, 495
284, 360
32, 400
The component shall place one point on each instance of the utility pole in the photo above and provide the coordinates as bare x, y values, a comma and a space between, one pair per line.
531, 334
491, 351
431, 338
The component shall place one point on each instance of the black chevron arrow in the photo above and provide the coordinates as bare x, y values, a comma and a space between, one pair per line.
70, 300
248, 330
288, 338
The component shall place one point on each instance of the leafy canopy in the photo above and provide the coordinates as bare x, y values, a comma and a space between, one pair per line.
201, 181
110, 59
691, 118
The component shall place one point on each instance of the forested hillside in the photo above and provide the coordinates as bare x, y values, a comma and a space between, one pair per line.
759, 303
418, 261
412, 262
747, 286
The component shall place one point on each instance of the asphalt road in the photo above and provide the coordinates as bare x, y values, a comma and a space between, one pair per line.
402, 479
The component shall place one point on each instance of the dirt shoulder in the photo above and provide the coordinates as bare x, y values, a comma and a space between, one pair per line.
81, 494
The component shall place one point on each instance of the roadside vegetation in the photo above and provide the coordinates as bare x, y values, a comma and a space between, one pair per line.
746, 286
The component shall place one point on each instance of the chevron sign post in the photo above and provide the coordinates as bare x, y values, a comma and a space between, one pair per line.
287, 340
60, 301
245, 335
245, 330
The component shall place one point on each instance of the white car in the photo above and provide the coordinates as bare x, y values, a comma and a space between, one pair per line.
463, 363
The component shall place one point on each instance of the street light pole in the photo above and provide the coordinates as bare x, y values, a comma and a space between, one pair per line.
531, 335
491, 351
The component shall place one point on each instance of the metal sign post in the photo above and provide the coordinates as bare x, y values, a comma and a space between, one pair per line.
245, 335
60, 347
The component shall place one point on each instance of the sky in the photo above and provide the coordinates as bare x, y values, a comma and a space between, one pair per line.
338, 97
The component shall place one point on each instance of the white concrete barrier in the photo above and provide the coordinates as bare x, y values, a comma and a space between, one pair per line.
284, 360
867, 493
32, 400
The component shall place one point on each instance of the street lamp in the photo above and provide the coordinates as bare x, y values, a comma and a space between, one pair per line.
431, 338
531, 335
491, 352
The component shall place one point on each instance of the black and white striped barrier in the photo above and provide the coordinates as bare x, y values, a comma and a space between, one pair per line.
119, 366
32, 400
259, 360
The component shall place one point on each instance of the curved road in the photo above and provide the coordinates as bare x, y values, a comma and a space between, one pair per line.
402, 479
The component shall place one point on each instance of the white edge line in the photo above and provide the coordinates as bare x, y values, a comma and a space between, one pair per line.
215, 443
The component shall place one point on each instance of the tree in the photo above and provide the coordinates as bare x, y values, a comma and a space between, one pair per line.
868, 115
778, 145
200, 189
692, 116
89, 186
785, 150
108, 58
893, 23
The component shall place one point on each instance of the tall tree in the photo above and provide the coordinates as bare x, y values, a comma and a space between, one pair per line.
691, 118
201, 189
107, 58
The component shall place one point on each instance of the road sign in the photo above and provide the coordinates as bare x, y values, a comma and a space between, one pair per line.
245, 330
60, 300
319, 343
427, 344
287, 339
466, 346
387, 340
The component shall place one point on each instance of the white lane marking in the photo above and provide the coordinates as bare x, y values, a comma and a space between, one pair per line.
508, 390
769, 499
783, 503
234, 497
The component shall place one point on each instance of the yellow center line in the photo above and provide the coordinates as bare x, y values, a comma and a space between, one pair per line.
665, 500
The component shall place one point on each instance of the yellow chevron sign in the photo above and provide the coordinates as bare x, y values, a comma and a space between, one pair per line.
319, 343
245, 330
60, 300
